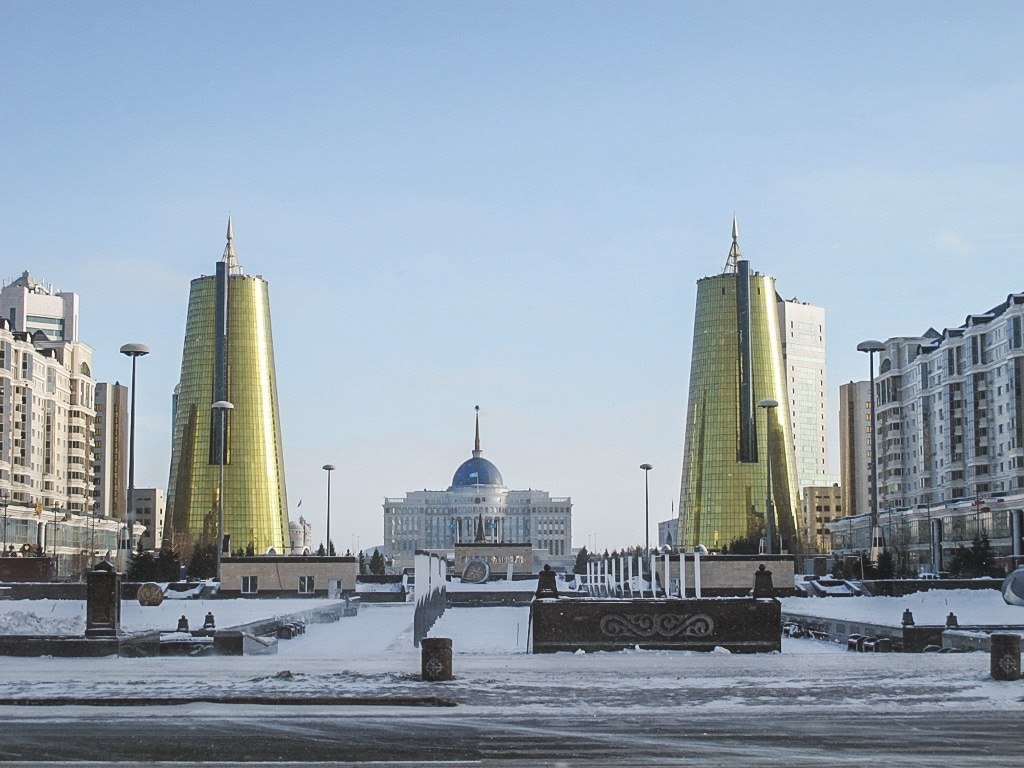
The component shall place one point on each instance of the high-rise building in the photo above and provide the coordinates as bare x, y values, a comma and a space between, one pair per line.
821, 504
149, 515
110, 453
803, 347
949, 440
478, 506
733, 442
228, 356
47, 438
47, 430
31, 306
855, 447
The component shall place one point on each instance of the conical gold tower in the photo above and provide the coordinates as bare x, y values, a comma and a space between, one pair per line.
228, 356
732, 445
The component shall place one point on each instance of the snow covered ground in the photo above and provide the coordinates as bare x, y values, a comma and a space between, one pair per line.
813, 704
982, 606
373, 654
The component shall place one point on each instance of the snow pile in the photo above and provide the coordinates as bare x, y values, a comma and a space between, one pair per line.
28, 623
984, 607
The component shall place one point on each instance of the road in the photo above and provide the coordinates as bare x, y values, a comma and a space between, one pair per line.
201, 733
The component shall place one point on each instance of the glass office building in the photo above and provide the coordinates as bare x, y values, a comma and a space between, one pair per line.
731, 442
228, 355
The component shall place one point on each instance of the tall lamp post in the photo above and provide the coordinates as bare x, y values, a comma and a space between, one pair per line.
134, 351
877, 541
4, 501
329, 468
647, 511
221, 408
56, 512
769, 507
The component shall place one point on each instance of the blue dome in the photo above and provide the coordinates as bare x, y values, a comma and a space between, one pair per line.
476, 471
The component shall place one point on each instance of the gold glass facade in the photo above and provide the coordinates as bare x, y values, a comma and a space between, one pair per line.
255, 503
723, 495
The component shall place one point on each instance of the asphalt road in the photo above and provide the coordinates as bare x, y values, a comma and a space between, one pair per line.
247, 734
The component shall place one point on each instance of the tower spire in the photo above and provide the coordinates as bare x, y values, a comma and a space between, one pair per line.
229, 253
476, 444
734, 250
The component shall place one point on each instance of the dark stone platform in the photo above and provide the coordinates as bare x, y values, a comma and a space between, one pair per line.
740, 625
57, 645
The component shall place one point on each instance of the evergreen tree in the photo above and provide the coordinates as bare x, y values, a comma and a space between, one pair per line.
885, 568
168, 565
203, 564
582, 558
321, 551
330, 548
979, 560
838, 570
141, 567
362, 563
377, 563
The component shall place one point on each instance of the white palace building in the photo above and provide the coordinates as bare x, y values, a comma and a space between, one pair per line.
478, 507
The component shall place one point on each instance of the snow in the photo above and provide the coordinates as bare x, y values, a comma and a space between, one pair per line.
67, 617
984, 607
372, 654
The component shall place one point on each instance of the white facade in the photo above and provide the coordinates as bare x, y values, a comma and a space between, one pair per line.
949, 438
477, 506
437, 520
300, 537
47, 430
951, 411
47, 421
802, 328
31, 306
150, 508
820, 505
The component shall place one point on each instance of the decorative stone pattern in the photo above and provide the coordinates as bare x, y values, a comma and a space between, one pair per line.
657, 625
742, 625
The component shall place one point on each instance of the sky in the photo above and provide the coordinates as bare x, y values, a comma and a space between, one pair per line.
504, 204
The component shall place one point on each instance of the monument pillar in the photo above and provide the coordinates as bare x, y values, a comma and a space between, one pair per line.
103, 601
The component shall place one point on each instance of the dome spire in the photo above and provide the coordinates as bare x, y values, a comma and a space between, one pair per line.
476, 444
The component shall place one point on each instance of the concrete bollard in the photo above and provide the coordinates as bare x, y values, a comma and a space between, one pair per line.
436, 662
1005, 656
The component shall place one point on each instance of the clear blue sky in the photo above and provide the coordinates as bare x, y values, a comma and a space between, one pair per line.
504, 204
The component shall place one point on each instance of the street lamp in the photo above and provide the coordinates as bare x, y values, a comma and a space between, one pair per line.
647, 511
4, 501
877, 542
221, 408
134, 351
56, 511
329, 468
769, 508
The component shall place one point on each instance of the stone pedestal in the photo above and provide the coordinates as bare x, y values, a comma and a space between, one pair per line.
1005, 656
436, 663
103, 601
738, 624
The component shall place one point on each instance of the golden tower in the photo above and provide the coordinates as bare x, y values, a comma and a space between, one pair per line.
736, 365
228, 355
